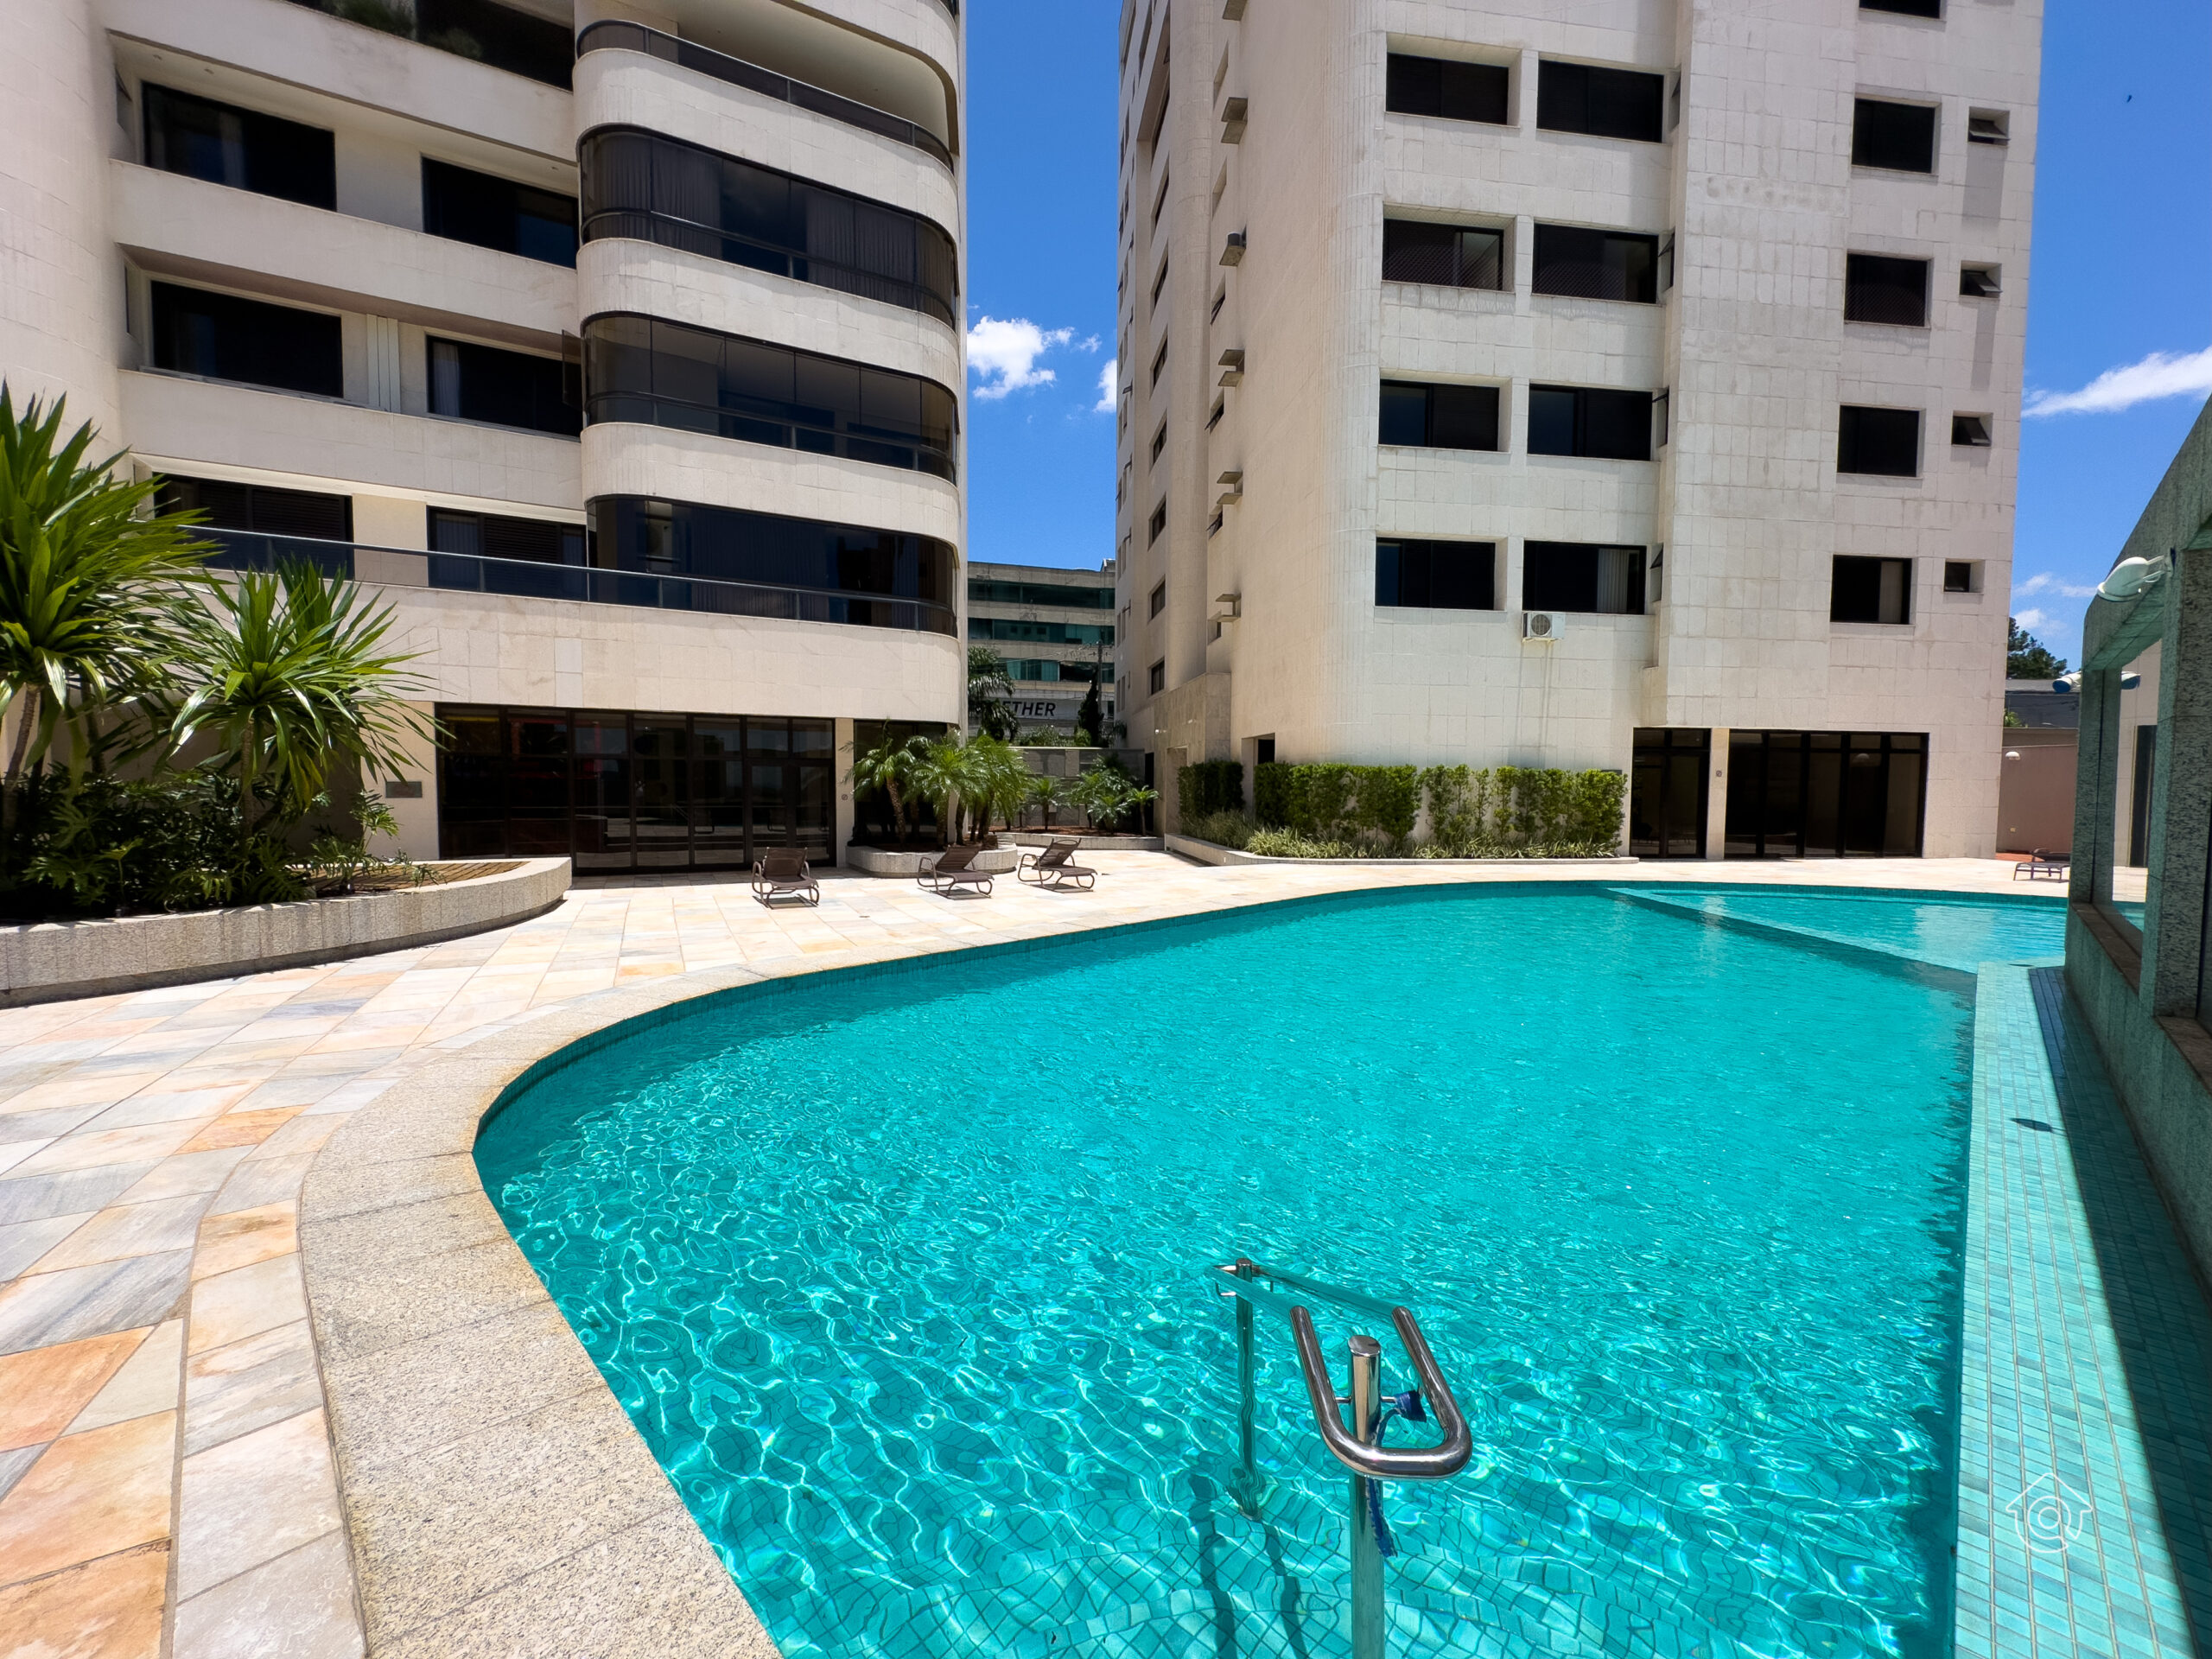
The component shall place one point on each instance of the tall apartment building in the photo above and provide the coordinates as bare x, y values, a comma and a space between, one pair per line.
618, 343
1055, 629
1632, 384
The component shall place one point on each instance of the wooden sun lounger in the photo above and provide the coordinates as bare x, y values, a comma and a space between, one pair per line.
1051, 868
783, 871
949, 871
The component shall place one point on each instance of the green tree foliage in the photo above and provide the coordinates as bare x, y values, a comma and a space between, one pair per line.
1502, 813
1209, 786
2026, 658
890, 765
990, 686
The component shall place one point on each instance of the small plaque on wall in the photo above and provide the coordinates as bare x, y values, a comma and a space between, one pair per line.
402, 789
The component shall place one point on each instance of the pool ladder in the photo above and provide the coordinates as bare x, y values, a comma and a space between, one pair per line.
1358, 1445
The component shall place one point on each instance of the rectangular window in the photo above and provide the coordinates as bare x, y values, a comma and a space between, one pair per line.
1159, 283
1450, 256
1970, 431
1878, 288
1158, 599
1436, 576
1668, 792
1157, 680
1662, 424
1870, 590
1579, 576
497, 213
1157, 524
258, 508
1883, 443
1605, 103
257, 344
1980, 281
1904, 7
1988, 127
1438, 417
489, 536
244, 148
483, 383
1158, 442
1449, 87
1596, 264
1220, 408
1159, 364
1899, 137
1588, 422
1822, 794
1961, 577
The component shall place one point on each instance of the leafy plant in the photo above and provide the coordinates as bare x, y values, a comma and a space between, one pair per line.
2026, 658
338, 861
998, 779
1288, 843
1106, 793
891, 764
989, 684
1506, 812
1047, 791
1091, 719
1210, 787
1222, 828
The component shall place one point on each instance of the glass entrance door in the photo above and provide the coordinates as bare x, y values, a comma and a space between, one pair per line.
1667, 793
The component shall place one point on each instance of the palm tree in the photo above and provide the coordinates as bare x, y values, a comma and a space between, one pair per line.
998, 778
1048, 793
94, 597
292, 678
890, 766
989, 683
946, 776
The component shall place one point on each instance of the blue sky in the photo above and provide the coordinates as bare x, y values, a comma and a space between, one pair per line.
2119, 285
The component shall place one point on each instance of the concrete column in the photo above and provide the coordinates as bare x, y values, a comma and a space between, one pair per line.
1716, 799
2181, 805
2096, 787
841, 818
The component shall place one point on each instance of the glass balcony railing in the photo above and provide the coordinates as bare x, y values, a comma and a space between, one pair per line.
584, 584
502, 36
689, 54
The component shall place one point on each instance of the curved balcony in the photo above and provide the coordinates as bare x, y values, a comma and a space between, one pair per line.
688, 54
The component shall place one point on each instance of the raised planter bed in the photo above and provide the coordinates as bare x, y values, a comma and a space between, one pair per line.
1207, 852
50, 961
1093, 843
876, 861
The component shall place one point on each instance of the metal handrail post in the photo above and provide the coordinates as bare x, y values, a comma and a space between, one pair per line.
1248, 1367
1366, 1548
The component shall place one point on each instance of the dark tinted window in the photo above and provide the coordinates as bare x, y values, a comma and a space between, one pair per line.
1608, 103
484, 535
1584, 421
496, 212
225, 506
656, 189
1023, 631
984, 592
226, 338
482, 383
670, 374
1876, 289
680, 538
1447, 86
1450, 255
1438, 417
1883, 442
1870, 590
1905, 8
1900, 136
1437, 575
1579, 576
203, 139
1596, 264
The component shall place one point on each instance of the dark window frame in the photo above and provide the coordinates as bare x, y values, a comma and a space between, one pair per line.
551, 405
1445, 255
1889, 134
1449, 89
1871, 440
312, 362
1157, 679
1560, 576
1416, 573
485, 210
1598, 414
1157, 600
1889, 290
1449, 413
1601, 101
289, 160
1580, 262
1860, 591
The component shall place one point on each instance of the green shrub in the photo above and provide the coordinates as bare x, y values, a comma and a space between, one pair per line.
1222, 828
1509, 812
1288, 843
1210, 787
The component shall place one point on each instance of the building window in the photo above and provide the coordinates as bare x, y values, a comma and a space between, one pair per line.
1904, 7
1437, 417
1878, 288
1667, 792
1596, 264
1579, 576
1220, 408
1024, 630
1661, 421
1436, 576
1156, 681
1988, 127
1156, 523
474, 536
499, 213
1870, 590
1961, 576
1449, 256
244, 148
1881, 443
652, 188
238, 517
1589, 422
660, 373
251, 341
483, 383
1970, 431
1825, 794
1159, 367
1980, 281
1899, 137
1449, 87
1158, 442
1158, 599
1605, 103
982, 591
1159, 283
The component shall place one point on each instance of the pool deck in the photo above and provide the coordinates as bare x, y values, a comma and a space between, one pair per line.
167, 1480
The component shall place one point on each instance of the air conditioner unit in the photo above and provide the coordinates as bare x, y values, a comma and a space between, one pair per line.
1543, 625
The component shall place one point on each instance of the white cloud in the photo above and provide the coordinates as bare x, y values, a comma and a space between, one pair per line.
1005, 352
2032, 619
2162, 374
2045, 582
1105, 404
1089, 343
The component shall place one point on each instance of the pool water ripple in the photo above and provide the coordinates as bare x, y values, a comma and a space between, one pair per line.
896, 1275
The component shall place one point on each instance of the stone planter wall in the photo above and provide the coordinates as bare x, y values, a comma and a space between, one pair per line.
875, 861
1207, 852
49, 962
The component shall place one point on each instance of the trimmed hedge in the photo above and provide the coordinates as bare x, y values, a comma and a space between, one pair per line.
1471, 813
1210, 787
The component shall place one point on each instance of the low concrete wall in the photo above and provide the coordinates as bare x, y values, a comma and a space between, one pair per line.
1207, 852
50, 961
999, 860
1091, 844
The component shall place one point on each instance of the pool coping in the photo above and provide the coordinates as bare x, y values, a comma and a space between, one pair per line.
493, 1488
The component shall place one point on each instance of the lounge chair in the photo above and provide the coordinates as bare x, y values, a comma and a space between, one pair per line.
1051, 868
782, 872
2041, 863
950, 870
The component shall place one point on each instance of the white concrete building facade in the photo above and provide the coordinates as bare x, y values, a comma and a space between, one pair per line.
1054, 628
619, 342
1631, 384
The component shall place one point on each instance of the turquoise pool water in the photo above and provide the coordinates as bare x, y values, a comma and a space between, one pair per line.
1949, 932
896, 1276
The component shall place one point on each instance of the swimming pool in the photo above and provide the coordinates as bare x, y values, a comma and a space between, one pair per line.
896, 1275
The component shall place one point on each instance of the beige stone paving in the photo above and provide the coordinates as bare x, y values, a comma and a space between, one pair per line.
166, 1479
